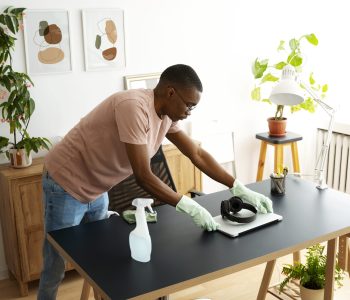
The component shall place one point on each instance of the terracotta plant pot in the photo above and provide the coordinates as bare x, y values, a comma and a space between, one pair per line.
308, 294
19, 158
277, 127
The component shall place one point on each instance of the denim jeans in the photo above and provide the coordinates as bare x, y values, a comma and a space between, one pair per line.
62, 210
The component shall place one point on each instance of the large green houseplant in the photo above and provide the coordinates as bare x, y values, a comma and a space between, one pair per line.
312, 274
16, 103
267, 73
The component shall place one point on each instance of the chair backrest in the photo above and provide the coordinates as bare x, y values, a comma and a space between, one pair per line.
122, 194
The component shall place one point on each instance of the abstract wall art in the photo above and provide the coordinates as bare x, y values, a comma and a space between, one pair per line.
104, 44
47, 41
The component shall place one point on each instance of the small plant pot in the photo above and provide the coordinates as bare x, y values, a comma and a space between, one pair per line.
308, 294
19, 158
278, 186
277, 128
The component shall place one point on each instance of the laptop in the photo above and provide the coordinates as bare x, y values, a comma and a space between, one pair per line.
234, 229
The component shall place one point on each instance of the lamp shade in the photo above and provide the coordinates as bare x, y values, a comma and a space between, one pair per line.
287, 91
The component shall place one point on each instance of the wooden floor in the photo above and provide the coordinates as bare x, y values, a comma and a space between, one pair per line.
243, 285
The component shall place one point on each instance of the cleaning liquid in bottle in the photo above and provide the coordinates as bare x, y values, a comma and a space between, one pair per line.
139, 238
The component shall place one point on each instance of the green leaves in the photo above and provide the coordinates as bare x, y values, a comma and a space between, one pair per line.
269, 77
293, 56
34, 143
19, 106
255, 94
259, 67
312, 274
312, 39
3, 142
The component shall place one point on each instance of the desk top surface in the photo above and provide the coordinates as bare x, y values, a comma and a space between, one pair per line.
182, 251
290, 137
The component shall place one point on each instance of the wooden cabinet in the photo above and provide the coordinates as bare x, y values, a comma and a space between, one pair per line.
22, 222
21, 212
185, 175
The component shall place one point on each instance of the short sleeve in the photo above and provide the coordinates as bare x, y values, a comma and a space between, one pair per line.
132, 121
174, 127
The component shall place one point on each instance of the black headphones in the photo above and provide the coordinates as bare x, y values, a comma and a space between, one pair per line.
232, 206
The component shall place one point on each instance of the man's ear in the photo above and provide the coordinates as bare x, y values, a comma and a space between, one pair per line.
170, 91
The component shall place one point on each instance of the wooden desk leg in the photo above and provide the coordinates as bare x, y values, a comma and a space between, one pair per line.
86, 291
295, 157
266, 280
261, 162
278, 158
343, 252
330, 267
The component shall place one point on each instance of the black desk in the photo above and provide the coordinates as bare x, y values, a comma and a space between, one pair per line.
184, 255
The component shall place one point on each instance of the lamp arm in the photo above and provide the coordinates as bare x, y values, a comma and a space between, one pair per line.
321, 159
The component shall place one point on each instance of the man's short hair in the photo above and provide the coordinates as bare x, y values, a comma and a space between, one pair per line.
183, 76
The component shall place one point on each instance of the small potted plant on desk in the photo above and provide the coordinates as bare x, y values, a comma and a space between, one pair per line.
312, 274
266, 74
16, 104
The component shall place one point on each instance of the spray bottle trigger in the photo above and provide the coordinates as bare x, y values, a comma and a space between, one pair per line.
150, 208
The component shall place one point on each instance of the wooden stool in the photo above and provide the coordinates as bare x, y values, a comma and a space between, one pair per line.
290, 139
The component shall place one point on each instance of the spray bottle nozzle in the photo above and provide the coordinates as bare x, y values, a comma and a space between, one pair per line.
143, 202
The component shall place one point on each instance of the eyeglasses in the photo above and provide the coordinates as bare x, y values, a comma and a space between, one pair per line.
189, 106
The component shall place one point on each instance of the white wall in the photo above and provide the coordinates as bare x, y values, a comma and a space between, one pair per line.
220, 39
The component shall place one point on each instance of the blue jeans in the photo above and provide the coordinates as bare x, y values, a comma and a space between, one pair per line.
62, 210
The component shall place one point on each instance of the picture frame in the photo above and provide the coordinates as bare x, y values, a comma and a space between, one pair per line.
104, 39
146, 81
47, 41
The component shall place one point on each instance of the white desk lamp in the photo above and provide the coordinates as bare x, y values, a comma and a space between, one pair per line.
289, 92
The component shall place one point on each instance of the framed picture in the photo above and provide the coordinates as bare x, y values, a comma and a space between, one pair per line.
47, 41
146, 81
104, 44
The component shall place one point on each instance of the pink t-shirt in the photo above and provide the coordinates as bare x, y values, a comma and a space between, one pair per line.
92, 158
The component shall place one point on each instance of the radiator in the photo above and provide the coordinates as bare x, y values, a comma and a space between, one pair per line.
337, 166
337, 172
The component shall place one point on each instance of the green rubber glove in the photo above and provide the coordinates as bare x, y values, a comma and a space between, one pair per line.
200, 216
262, 203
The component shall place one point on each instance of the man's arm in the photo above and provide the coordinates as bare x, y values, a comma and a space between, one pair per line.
200, 158
140, 163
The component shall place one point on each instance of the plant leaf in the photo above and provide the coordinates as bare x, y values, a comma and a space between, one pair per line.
259, 67
324, 88
293, 44
281, 46
255, 94
311, 79
269, 77
312, 39
295, 59
9, 24
280, 65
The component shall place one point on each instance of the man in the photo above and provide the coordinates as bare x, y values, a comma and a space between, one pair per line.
113, 141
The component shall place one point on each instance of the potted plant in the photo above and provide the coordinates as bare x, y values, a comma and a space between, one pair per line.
16, 104
312, 274
267, 73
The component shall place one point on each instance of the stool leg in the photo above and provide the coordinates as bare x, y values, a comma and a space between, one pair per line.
295, 157
261, 162
278, 158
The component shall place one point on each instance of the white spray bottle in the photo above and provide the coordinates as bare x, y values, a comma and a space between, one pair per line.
139, 238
